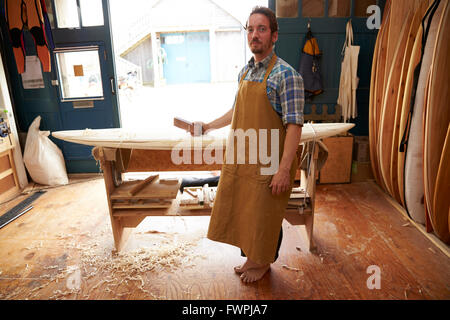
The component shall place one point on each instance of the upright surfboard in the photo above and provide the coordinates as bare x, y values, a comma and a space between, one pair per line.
401, 109
409, 81
441, 201
377, 97
437, 123
389, 108
376, 83
414, 182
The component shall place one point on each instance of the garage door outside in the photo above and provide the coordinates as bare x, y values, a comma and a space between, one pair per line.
187, 57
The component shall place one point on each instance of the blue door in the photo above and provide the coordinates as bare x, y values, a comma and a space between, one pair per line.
187, 57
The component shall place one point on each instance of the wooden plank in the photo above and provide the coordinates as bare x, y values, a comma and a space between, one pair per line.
182, 124
161, 160
138, 187
152, 191
4, 162
7, 183
145, 205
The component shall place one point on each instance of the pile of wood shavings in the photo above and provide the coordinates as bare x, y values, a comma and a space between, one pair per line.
118, 274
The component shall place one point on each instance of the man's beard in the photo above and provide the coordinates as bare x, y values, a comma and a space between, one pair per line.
260, 49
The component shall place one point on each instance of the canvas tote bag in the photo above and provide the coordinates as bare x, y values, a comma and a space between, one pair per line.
349, 80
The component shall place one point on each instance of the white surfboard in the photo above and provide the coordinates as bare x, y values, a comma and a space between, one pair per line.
175, 137
414, 181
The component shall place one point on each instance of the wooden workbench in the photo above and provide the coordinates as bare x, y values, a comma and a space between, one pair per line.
158, 199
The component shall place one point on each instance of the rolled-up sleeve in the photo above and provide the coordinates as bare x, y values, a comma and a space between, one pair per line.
292, 97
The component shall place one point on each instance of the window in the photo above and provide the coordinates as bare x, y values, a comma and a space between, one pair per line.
79, 73
91, 13
313, 8
361, 7
286, 8
76, 13
339, 8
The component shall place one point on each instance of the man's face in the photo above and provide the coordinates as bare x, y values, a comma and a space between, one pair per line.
259, 36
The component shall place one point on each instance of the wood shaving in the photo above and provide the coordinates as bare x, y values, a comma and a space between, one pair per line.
290, 268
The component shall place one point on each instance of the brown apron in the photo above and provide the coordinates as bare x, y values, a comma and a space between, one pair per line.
245, 213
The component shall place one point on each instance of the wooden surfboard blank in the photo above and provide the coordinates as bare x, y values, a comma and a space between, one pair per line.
437, 120
399, 12
376, 77
414, 61
378, 98
415, 23
441, 201
389, 108
428, 225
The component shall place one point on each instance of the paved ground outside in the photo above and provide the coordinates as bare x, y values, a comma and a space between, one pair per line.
148, 107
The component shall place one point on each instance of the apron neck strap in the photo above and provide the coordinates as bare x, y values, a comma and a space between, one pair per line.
270, 67
268, 71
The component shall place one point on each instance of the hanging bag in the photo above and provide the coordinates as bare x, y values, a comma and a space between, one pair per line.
349, 80
309, 67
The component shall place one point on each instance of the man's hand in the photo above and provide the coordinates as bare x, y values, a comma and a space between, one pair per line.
280, 181
204, 127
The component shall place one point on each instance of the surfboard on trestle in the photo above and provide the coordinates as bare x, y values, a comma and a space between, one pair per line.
173, 137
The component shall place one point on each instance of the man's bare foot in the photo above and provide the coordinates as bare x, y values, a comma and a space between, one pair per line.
254, 274
249, 264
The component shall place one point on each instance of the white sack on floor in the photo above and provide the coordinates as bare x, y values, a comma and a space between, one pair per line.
43, 159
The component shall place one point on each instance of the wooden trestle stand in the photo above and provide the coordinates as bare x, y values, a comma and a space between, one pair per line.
130, 202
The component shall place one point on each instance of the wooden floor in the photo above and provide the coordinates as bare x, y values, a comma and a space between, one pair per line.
63, 249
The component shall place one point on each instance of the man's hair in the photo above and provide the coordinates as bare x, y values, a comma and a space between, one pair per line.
269, 14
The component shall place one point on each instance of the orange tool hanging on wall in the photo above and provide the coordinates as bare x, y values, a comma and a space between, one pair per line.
20, 13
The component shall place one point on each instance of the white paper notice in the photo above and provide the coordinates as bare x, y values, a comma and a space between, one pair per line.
32, 77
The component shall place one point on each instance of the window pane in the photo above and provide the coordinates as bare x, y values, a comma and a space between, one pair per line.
286, 8
339, 8
80, 74
313, 8
67, 13
91, 13
51, 18
361, 7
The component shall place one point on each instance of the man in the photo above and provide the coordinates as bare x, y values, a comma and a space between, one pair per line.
249, 206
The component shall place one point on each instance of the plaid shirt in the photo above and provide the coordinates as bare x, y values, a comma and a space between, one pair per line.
285, 88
